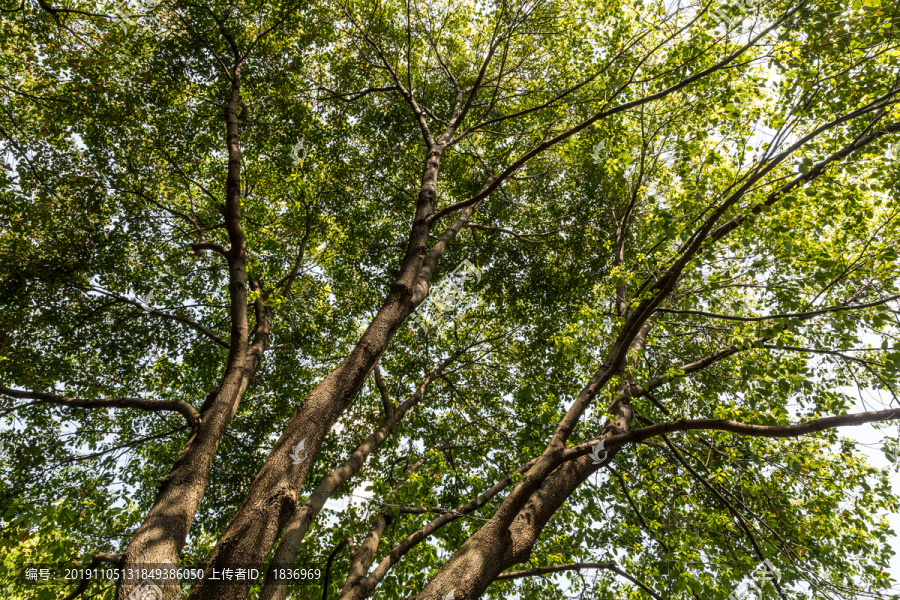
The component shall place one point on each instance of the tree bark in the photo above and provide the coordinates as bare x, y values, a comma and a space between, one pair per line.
509, 536
162, 534
299, 523
272, 497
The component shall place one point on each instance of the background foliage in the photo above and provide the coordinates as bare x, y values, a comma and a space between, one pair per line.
113, 142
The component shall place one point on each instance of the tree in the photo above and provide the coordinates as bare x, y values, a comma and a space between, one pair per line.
259, 255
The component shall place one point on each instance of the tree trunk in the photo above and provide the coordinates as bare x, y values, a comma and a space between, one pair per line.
503, 541
161, 536
272, 497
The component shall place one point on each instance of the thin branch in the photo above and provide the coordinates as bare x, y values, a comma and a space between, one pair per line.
191, 323
209, 246
288, 280
576, 567
55, 11
515, 166
802, 315
522, 237
634, 507
385, 396
131, 444
411, 541
840, 354
207, 45
734, 511
103, 557
180, 319
270, 29
327, 579
354, 96
407, 95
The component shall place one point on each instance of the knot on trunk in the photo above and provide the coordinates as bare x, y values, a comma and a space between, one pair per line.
286, 498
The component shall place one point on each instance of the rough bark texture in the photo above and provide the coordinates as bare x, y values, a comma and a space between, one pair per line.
162, 534
363, 588
511, 533
272, 497
504, 541
296, 529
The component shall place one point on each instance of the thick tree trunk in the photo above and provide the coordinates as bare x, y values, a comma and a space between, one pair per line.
510, 535
161, 536
272, 497
292, 537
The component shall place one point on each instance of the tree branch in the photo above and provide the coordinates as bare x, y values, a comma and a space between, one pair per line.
354, 96
180, 319
210, 246
407, 95
95, 561
288, 280
301, 519
749, 429
411, 541
385, 396
190, 413
515, 166
634, 507
576, 567
734, 511
801, 315
327, 579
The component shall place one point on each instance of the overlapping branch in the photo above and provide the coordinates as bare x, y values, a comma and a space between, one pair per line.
303, 516
367, 584
518, 163
168, 316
